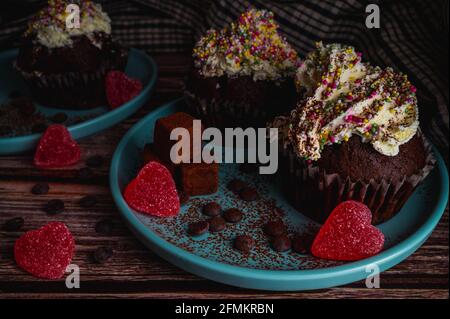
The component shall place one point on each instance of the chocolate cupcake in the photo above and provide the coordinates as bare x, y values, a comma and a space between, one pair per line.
354, 136
243, 75
66, 67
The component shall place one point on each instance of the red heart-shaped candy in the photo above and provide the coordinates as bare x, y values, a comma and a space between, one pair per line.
56, 148
348, 234
153, 191
120, 88
45, 252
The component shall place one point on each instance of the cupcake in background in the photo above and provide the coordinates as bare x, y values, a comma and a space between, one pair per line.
66, 67
354, 136
243, 75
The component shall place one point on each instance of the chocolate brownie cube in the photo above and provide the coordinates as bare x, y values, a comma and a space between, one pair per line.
199, 179
164, 126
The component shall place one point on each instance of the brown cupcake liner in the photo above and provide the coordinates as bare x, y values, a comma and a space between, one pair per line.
78, 90
315, 193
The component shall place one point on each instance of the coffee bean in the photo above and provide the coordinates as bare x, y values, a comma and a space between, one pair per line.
236, 185
183, 196
302, 243
5, 130
275, 228
299, 245
95, 161
54, 206
104, 226
211, 209
281, 243
198, 228
25, 106
13, 224
216, 224
60, 117
248, 194
244, 243
85, 173
233, 215
88, 201
38, 128
40, 189
102, 254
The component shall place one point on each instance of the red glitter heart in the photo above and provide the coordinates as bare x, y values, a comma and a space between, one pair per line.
56, 148
45, 252
120, 88
348, 234
153, 191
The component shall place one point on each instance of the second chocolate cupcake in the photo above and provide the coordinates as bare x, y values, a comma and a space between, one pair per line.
66, 67
242, 75
354, 136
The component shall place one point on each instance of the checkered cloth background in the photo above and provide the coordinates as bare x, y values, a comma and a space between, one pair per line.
413, 36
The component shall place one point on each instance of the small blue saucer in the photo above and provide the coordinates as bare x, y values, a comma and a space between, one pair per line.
80, 123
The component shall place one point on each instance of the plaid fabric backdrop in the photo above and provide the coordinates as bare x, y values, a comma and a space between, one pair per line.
413, 36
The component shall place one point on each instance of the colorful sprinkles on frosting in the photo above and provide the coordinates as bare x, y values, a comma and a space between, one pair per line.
250, 46
346, 97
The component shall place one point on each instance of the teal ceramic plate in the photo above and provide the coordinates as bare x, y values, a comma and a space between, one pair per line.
212, 256
80, 123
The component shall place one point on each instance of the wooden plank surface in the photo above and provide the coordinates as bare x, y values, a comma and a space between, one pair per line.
136, 272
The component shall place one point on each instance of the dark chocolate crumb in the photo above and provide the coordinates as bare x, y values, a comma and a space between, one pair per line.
275, 228
248, 194
299, 245
104, 226
198, 228
281, 243
88, 201
38, 128
212, 209
233, 215
216, 224
13, 224
243, 243
25, 106
40, 189
102, 254
95, 161
54, 206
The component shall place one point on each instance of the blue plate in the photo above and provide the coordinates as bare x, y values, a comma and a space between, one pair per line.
212, 256
80, 123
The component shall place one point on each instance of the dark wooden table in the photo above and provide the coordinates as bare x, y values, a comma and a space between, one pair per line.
136, 272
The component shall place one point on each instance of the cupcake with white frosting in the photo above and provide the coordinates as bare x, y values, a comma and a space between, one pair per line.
65, 65
355, 135
243, 75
